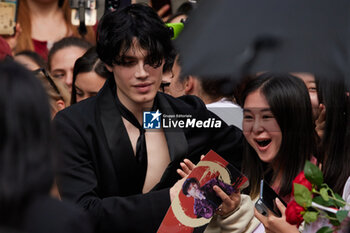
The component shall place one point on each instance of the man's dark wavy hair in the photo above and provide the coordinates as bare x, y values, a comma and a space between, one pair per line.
117, 30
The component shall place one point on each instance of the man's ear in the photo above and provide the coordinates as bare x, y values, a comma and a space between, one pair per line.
60, 105
109, 68
192, 86
189, 85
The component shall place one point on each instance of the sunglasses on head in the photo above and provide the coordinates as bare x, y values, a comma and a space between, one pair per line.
48, 78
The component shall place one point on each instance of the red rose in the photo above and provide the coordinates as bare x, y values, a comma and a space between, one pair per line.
301, 179
293, 213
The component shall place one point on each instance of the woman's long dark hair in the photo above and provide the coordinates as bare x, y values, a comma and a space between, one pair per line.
86, 63
290, 104
25, 141
334, 158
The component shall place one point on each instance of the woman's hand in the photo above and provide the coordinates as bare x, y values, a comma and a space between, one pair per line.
12, 40
229, 202
275, 224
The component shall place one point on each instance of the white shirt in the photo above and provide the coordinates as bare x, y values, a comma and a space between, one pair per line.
228, 111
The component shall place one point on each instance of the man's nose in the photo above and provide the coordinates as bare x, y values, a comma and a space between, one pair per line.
141, 72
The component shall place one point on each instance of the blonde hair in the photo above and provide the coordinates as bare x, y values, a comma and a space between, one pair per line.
55, 89
25, 42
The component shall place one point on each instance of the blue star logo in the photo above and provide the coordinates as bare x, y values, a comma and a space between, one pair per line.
151, 120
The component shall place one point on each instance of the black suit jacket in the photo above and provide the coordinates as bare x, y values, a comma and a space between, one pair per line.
99, 170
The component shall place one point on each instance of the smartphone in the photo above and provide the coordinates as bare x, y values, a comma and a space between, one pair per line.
90, 16
8, 17
157, 4
267, 199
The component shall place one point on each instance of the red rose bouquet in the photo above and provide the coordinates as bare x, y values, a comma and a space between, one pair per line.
314, 199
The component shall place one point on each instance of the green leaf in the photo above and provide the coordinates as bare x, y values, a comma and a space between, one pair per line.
325, 230
324, 194
310, 216
341, 215
302, 195
319, 200
334, 222
313, 173
341, 201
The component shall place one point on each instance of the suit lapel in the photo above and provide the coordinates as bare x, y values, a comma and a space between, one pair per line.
177, 146
126, 166
177, 143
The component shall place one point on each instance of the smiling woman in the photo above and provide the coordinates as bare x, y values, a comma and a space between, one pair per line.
279, 131
260, 127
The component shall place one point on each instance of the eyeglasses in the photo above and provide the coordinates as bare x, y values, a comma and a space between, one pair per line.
163, 85
48, 78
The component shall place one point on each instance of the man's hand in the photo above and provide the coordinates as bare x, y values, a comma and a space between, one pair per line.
186, 167
174, 191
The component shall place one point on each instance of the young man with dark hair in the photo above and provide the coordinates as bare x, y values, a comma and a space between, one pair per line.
112, 166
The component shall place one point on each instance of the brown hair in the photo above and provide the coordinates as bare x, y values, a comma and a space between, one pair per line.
55, 89
25, 38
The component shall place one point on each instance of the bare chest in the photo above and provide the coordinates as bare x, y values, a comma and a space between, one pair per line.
158, 157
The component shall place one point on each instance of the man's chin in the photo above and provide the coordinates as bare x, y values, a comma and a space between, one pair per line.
146, 99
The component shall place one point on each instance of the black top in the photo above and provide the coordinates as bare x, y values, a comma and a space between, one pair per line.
44, 214
99, 167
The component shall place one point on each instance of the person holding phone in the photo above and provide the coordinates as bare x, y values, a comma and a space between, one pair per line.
279, 137
279, 131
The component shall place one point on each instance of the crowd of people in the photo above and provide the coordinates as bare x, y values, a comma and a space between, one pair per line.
74, 153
